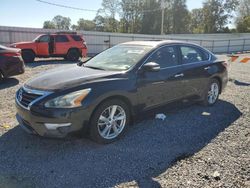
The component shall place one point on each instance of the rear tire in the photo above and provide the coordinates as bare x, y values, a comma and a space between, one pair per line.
212, 93
28, 56
73, 55
109, 121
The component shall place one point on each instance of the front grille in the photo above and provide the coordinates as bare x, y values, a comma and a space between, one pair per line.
25, 98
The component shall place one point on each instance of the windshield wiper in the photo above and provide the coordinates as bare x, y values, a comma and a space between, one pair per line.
98, 68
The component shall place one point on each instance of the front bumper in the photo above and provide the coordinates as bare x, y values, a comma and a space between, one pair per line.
51, 122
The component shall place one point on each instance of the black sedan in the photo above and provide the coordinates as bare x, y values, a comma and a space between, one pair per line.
101, 96
11, 63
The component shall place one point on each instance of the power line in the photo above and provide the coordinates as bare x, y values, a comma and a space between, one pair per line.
66, 6
82, 9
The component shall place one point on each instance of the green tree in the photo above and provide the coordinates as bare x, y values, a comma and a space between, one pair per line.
244, 8
217, 14
99, 23
109, 10
151, 18
131, 16
74, 27
106, 24
180, 16
110, 7
86, 25
49, 25
61, 22
196, 21
243, 14
243, 26
111, 25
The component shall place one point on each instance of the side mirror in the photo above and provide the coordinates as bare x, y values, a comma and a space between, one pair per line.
151, 67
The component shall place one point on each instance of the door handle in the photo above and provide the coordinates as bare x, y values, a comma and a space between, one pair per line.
179, 75
207, 68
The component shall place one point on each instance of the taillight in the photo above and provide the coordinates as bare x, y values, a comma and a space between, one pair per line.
84, 44
10, 54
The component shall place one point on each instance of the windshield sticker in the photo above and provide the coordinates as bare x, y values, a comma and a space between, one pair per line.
135, 51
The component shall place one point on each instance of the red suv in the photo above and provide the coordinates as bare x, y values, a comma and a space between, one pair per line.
69, 45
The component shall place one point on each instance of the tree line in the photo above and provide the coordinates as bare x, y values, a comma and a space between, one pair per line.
147, 17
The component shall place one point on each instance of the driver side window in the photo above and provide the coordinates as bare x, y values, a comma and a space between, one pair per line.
165, 56
44, 38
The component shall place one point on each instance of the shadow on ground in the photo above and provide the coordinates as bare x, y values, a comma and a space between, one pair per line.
239, 83
8, 82
149, 148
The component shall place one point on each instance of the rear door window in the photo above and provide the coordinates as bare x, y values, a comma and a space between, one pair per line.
61, 38
192, 55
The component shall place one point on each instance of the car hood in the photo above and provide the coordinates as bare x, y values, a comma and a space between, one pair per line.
8, 49
21, 43
68, 77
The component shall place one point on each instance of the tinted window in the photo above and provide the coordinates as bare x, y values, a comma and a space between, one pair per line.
192, 54
44, 38
76, 37
165, 57
61, 38
205, 56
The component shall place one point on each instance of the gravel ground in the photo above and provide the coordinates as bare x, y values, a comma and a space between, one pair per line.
194, 147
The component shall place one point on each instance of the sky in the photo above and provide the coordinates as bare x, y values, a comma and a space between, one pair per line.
32, 13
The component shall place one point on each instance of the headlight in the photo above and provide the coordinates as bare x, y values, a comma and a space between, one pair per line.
70, 100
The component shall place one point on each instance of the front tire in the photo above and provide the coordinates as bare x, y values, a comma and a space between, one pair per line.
212, 93
110, 121
28, 56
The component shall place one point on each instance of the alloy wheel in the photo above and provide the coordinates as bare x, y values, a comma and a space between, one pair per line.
111, 122
213, 93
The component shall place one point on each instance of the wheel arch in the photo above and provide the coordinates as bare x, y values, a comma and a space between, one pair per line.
119, 97
75, 48
28, 49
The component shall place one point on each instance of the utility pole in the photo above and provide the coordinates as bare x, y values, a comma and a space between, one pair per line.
162, 16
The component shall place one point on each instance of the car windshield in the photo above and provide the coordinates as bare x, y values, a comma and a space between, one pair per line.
120, 57
35, 39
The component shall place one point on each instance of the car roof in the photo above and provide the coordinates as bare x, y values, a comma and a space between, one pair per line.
62, 34
155, 43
